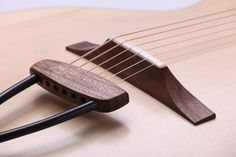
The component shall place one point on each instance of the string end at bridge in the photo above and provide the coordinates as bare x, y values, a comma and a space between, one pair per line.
157, 81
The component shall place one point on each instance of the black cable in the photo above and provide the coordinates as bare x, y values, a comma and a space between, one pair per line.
47, 122
41, 124
17, 88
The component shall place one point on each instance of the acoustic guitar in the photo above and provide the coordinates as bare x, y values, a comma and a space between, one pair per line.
171, 74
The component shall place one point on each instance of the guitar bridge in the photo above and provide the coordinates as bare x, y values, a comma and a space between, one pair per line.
151, 76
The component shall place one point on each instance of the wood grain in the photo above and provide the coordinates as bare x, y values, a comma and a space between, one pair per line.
79, 86
144, 127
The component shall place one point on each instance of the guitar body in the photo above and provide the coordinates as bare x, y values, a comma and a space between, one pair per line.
144, 127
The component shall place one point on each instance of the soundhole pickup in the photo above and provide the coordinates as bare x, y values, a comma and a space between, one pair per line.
78, 86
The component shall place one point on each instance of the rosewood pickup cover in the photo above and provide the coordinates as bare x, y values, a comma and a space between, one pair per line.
78, 86
157, 81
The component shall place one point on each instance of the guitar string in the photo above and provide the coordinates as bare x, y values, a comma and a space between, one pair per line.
161, 32
170, 44
189, 39
171, 58
142, 70
93, 50
152, 34
170, 24
121, 71
122, 80
191, 45
182, 21
156, 40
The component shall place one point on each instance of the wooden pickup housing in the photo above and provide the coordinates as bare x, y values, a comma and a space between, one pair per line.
78, 86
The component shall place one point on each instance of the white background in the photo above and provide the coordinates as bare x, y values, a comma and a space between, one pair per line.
11, 5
